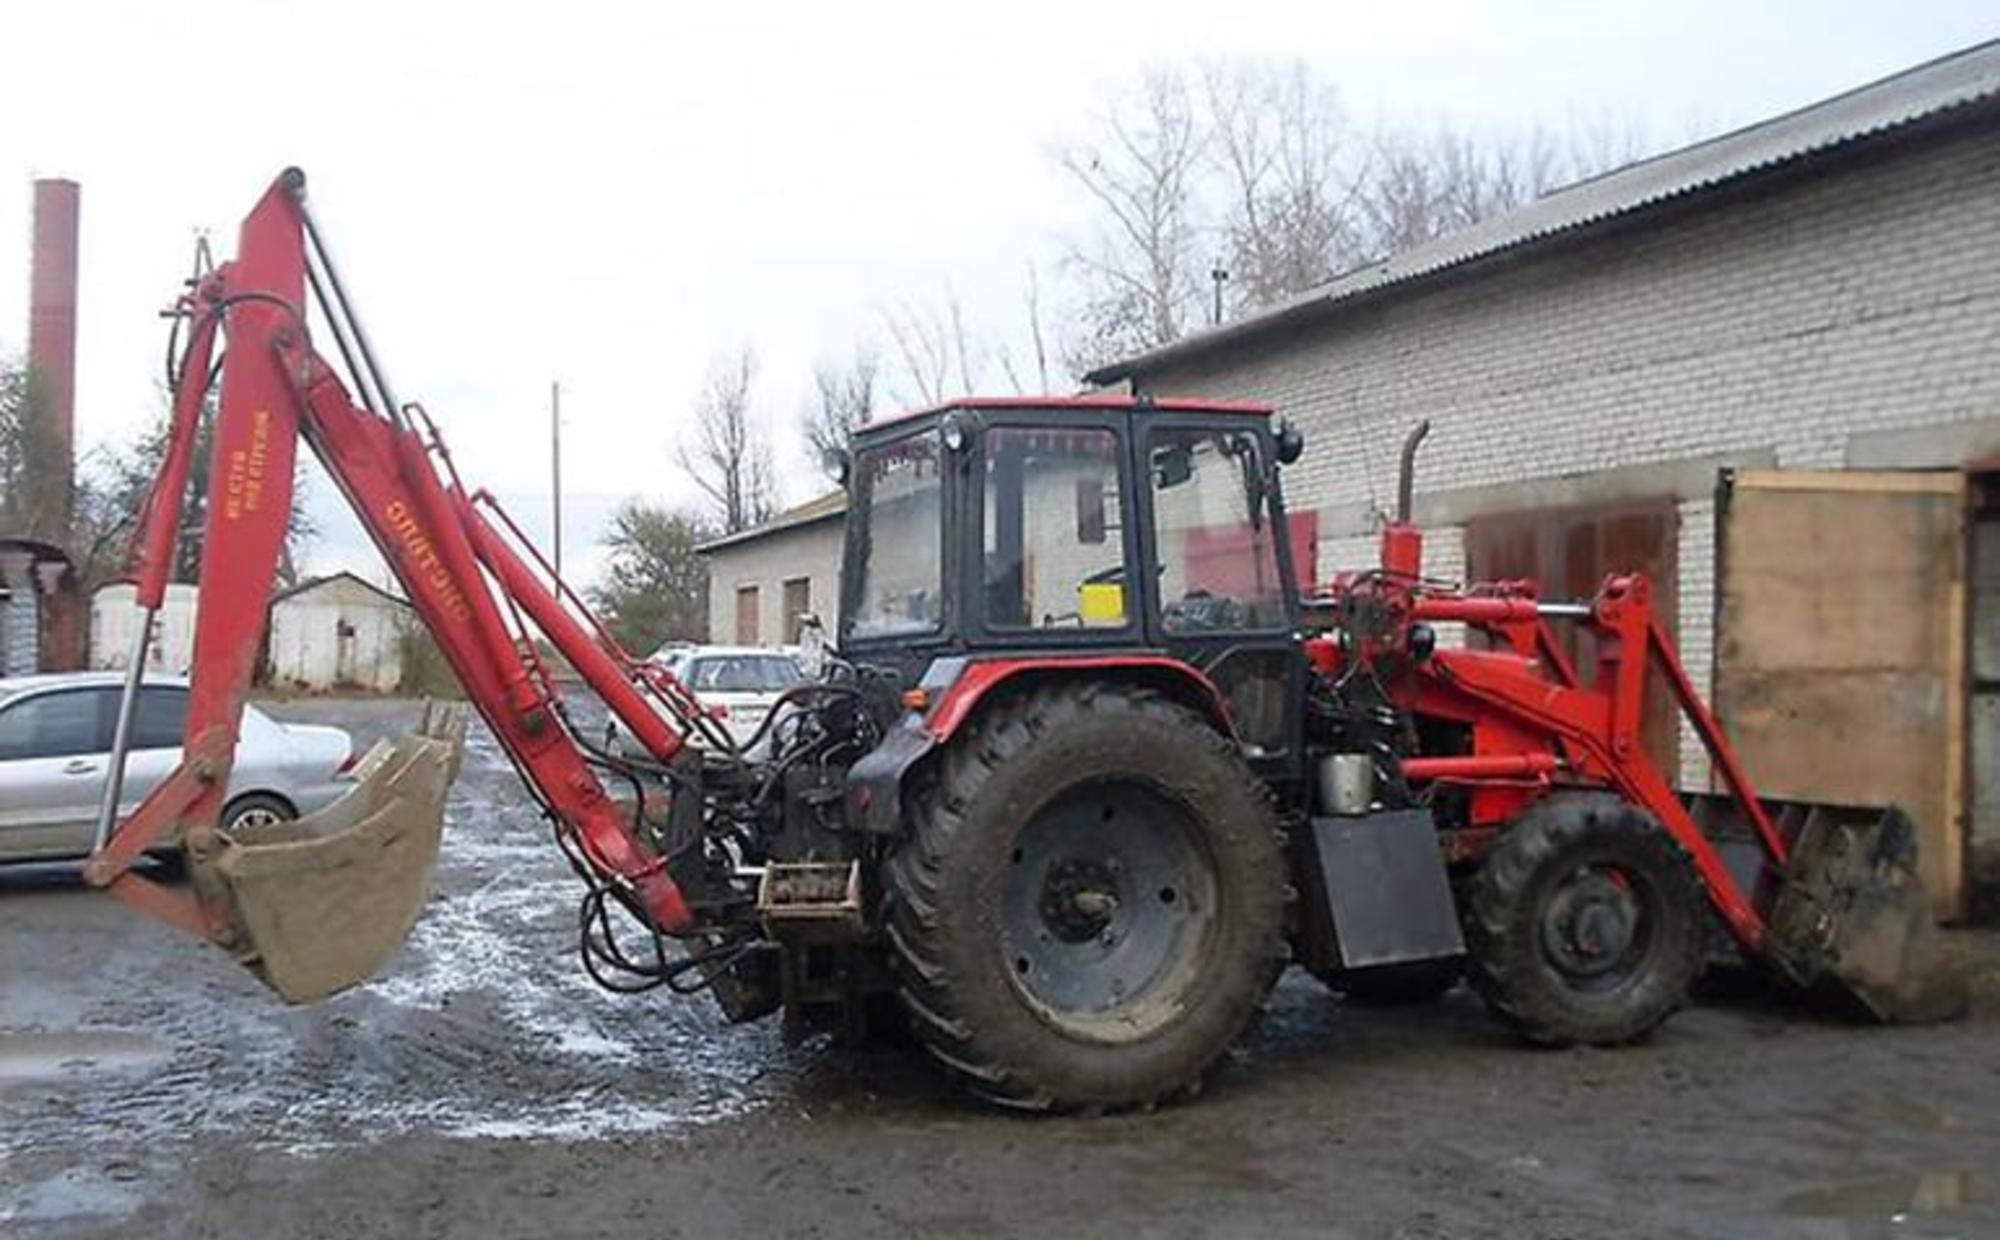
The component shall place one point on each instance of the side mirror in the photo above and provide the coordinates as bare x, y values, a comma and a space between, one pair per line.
839, 463
1172, 465
1092, 521
1291, 442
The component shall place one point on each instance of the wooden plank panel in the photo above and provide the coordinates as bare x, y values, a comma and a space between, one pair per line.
1839, 642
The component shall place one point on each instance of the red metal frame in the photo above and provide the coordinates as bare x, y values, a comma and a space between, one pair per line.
1534, 723
433, 536
958, 702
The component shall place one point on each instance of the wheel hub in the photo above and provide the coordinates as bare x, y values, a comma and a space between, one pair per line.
1106, 910
1592, 924
1080, 899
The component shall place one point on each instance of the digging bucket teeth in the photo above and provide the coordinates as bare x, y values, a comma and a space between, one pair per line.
320, 903
1851, 918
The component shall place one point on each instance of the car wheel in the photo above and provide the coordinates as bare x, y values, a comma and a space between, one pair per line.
254, 811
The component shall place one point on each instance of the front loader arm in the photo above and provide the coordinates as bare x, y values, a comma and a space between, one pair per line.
275, 391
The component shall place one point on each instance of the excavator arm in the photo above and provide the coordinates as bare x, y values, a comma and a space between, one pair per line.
318, 905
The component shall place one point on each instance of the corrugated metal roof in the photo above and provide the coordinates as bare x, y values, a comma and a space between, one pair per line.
823, 508
1953, 81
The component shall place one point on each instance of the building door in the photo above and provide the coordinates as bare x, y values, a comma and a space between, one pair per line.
748, 627
1570, 551
1840, 634
798, 604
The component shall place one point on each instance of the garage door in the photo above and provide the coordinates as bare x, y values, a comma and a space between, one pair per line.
1840, 645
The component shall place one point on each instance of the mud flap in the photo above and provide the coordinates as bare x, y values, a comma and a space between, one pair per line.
1852, 918
319, 904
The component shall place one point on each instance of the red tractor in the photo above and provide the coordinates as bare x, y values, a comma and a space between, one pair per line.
1087, 769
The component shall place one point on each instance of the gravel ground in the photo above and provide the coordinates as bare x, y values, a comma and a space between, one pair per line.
483, 1087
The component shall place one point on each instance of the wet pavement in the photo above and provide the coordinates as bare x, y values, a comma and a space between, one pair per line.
484, 1086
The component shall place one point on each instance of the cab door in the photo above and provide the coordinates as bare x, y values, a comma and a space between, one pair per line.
53, 761
1221, 590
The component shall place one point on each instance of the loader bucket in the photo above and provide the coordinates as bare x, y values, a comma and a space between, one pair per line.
318, 904
1851, 918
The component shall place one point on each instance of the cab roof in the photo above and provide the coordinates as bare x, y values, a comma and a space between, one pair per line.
1093, 402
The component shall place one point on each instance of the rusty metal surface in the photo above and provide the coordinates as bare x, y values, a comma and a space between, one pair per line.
1570, 551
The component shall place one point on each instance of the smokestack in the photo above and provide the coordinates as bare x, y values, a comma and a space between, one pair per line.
52, 325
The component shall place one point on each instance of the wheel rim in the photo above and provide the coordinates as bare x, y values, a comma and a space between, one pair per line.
255, 816
1107, 911
1596, 927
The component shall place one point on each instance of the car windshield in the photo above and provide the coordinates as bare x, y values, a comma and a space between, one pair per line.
743, 673
898, 545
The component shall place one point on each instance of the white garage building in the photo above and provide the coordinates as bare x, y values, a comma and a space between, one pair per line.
337, 632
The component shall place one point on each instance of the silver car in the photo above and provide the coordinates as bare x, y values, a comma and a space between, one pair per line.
55, 743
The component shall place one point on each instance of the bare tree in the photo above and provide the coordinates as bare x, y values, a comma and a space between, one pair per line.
936, 353
730, 458
844, 398
34, 472
1138, 268
1293, 178
1254, 166
1427, 186
1031, 305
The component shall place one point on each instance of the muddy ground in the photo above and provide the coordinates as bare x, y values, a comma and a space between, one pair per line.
484, 1087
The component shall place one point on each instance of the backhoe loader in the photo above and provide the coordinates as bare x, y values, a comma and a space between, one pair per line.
1091, 757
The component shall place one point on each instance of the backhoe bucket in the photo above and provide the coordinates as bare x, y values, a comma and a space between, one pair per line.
1852, 917
320, 903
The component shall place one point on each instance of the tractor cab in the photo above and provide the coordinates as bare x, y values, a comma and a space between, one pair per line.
1085, 526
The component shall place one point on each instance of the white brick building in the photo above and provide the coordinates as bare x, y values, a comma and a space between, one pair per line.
1817, 292
760, 581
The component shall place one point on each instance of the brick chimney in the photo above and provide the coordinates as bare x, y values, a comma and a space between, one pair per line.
52, 323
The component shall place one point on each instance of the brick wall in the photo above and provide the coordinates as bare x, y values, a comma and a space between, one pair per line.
1851, 302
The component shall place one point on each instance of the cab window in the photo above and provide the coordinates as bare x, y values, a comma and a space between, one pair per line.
1212, 527
1053, 542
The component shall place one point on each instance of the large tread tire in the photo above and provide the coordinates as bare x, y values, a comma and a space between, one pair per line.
945, 885
1508, 962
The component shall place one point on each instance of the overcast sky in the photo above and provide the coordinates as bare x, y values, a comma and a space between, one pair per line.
610, 194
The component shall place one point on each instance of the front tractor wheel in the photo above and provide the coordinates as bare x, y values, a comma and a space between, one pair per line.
1585, 924
1091, 904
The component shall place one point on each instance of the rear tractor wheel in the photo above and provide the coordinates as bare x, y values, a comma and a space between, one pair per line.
1585, 924
1091, 906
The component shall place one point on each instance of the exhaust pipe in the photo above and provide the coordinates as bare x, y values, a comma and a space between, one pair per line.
1406, 470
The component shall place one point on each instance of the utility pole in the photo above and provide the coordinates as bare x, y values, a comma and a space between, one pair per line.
555, 470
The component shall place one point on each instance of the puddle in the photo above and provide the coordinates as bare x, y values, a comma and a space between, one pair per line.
79, 1052
1896, 1196
68, 1196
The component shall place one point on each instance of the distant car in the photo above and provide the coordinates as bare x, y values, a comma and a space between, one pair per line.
737, 684
55, 745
